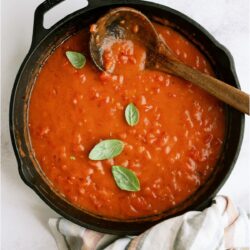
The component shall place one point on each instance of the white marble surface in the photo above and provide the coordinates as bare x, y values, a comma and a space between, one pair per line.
24, 215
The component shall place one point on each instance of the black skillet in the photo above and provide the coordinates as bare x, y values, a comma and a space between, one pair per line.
44, 42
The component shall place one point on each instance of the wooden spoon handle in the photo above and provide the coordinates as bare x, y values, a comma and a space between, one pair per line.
223, 91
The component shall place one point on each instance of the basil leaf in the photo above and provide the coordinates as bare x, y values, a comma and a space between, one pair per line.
77, 59
125, 179
131, 114
106, 149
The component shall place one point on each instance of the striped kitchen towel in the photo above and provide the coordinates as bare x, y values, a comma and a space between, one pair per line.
221, 226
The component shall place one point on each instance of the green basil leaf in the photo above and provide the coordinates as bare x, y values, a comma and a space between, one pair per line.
132, 114
106, 149
77, 59
125, 179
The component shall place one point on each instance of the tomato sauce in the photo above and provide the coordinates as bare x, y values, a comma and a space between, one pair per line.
172, 150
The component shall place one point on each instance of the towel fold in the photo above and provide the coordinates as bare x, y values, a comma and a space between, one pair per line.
221, 226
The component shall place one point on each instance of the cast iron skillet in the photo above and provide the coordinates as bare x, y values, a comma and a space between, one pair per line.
43, 43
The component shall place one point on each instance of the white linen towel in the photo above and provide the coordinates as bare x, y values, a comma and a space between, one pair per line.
221, 226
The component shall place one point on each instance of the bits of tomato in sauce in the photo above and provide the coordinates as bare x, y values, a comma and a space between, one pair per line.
172, 150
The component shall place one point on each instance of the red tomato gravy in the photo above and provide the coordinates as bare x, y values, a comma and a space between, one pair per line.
172, 150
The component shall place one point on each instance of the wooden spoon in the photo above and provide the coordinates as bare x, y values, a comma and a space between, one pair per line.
130, 24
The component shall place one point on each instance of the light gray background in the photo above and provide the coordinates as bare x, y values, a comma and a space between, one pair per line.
24, 215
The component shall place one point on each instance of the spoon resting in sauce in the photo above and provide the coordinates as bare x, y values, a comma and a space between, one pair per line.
126, 23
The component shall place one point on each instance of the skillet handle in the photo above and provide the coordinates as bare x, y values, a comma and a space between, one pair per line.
38, 29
